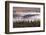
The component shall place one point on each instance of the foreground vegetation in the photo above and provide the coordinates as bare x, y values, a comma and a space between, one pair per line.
27, 24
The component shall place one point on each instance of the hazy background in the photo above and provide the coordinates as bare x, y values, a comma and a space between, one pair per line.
26, 14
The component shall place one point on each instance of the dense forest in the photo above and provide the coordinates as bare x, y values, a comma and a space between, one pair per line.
26, 24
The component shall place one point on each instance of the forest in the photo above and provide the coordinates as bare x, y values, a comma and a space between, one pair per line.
35, 23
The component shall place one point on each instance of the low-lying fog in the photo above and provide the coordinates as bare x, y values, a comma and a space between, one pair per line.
26, 17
